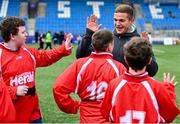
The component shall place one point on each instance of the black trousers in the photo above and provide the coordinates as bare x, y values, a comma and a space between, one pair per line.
48, 45
41, 46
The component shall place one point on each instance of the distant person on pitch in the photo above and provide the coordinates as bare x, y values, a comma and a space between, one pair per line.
48, 40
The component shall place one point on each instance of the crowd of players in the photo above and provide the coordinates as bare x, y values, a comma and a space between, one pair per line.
112, 75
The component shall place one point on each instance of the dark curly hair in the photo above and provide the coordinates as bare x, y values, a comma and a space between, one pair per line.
9, 25
138, 53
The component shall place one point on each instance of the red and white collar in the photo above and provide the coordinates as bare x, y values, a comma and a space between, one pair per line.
2, 44
102, 53
139, 75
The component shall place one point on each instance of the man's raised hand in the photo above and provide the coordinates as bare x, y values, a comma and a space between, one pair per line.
92, 23
144, 35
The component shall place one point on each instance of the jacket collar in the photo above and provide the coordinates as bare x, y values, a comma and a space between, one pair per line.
136, 78
128, 34
7, 48
101, 55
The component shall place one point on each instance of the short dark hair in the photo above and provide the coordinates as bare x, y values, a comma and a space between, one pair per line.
124, 8
101, 39
9, 25
138, 52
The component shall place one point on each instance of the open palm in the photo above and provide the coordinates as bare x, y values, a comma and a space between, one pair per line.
92, 23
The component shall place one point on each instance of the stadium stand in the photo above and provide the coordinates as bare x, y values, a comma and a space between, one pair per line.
160, 17
13, 8
72, 18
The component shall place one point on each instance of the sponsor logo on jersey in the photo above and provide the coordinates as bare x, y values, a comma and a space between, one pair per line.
19, 57
23, 78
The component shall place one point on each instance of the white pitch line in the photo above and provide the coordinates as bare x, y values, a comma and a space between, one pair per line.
159, 51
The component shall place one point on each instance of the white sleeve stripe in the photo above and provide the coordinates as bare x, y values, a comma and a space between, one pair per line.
118, 88
114, 66
153, 98
79, 74
149, 90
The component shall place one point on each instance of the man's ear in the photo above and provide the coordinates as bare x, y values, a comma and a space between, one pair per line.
12, 37
110, 47
132, 20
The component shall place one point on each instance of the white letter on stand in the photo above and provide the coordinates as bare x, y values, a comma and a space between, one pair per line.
95, 6
64, 9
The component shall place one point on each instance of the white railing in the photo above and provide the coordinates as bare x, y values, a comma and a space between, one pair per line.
4, 8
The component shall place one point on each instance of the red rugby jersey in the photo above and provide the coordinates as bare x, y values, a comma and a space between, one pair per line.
139, 99
7, 110
19, 68
89, 78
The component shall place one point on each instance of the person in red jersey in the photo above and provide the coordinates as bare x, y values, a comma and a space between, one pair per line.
135, 97
19, 63
7, 110
89, 78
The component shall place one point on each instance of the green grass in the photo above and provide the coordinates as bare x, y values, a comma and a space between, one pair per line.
168, 58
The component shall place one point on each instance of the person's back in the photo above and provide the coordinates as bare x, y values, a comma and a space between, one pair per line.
146, 99
135, 97
89, 78
93, 82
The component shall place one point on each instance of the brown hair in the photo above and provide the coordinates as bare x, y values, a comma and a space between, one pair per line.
101, 40
124, 8
9, 26
138, 53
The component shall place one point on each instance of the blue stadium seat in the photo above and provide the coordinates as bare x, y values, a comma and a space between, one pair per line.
77, 22
140, 23
13, 8
166, 23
